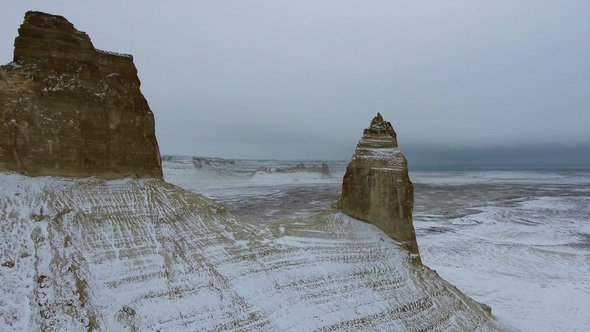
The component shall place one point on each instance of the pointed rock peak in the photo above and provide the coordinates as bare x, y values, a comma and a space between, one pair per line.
379, 135
380, 127
376, 187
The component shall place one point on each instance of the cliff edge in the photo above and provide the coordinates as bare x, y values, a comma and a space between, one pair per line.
68, 109
377, 188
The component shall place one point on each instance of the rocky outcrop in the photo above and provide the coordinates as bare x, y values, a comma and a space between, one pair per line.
325, 169
69, 109
376, 186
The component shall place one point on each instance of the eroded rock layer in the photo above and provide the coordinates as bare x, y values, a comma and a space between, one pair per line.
376, 186
69, 109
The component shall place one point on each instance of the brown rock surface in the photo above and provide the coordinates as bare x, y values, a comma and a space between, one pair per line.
376, 186
69, 109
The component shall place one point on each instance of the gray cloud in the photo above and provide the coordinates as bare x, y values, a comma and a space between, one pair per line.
550, 156
302, 79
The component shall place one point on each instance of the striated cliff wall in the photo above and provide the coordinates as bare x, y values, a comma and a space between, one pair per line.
69, 109
376, 186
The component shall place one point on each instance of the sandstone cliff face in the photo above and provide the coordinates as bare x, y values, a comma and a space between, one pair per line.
376, 186
69, 109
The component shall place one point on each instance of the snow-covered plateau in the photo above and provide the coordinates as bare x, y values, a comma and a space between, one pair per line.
145, 255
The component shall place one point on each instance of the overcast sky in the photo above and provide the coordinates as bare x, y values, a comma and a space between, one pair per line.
301, 79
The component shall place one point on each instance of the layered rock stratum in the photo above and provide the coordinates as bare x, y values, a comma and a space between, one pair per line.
376, 187
69, 109
143, 255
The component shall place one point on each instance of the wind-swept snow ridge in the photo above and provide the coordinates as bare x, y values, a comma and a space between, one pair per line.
144, 255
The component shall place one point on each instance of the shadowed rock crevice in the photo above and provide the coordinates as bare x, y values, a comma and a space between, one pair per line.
376, 186
69, 109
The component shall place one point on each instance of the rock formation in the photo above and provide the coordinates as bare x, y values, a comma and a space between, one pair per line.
376, 186
69, 109
324, 169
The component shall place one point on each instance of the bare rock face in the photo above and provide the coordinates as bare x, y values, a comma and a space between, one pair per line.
69, 109
377, 188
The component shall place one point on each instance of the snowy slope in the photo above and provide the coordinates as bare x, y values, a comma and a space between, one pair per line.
146, 255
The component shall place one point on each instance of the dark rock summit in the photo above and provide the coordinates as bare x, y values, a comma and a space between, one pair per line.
381, 127
376, 186
69, 109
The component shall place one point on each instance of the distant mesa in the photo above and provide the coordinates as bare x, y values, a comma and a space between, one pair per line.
68, 109
376, 187
323, 169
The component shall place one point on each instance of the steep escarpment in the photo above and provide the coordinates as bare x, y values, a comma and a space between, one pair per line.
69, 109
376, 187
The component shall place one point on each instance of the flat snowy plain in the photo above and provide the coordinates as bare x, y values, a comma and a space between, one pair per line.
517, 241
